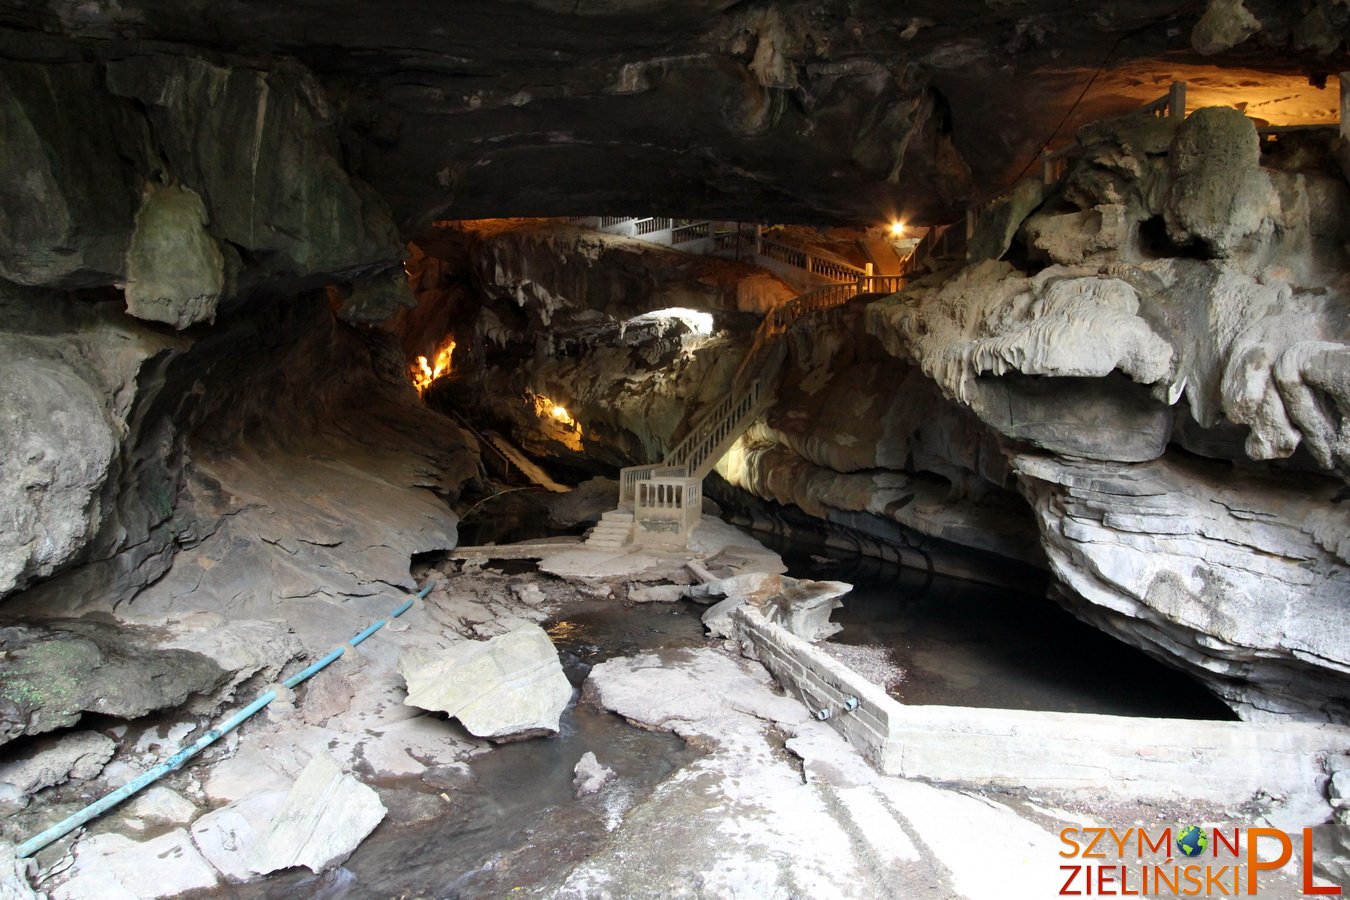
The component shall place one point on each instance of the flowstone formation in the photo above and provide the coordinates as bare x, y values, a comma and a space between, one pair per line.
1172, 392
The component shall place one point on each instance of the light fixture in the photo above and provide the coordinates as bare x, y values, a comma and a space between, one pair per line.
897, 229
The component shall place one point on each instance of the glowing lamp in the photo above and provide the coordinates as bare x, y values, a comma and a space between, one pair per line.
897, 229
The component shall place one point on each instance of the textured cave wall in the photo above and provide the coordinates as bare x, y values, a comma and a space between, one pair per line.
1165, 364
147, 182
775, 111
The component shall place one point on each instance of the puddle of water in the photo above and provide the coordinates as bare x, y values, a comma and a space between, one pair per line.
517, 823
597, 631
965, 644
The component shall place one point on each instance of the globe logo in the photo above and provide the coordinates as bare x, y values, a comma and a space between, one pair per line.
1192, 841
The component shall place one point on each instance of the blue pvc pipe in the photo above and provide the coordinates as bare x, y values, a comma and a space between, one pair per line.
98, 807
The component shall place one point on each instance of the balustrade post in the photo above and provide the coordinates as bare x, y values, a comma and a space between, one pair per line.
1345, 104
972, 219
1176, 100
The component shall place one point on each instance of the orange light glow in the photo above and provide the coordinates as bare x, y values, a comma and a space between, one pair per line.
558, 422
424, 372
897, 229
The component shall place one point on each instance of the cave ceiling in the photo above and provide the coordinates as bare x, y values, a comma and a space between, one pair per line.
849, 112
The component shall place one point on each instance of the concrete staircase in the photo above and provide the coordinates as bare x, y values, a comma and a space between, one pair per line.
613, 532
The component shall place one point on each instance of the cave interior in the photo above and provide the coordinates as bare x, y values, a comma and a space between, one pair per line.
1031, 320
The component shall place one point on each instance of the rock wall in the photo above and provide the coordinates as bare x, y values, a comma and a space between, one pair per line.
185, 178
157, 183
1165, 361
195, 432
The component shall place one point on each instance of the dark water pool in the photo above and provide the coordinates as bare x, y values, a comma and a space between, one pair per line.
965, 644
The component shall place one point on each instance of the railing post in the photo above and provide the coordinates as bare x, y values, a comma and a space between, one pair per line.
1345, 104
1176, 100
971, 221
868, 268
1047, 171
759, 239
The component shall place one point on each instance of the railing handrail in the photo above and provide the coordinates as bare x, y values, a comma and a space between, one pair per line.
810, 256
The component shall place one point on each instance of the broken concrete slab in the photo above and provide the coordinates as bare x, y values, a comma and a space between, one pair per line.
509, 687
326, 816
803, 607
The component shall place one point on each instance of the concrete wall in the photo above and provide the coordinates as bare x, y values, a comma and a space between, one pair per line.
1141, 758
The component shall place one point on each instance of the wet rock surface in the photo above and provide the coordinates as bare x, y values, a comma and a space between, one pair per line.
508, 687
320, 822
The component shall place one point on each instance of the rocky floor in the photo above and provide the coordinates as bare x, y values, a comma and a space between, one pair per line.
755, 799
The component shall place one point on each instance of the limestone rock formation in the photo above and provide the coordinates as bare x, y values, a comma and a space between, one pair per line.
1236, 356
225, 836
1218, 193
589, 776
1234, 575
1225, 24
326, 816
802, 607
54, 672
509, 687
80, 755
69, 373
111, 865
175, 270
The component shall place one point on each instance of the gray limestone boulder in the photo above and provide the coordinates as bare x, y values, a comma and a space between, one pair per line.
56, 449
509, 687
113, 866
1225, 24
1218, 194
326, 816
81, 756
589, 776
1074, 237
50, 674
225, 836
175, 270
